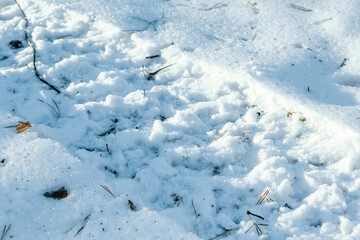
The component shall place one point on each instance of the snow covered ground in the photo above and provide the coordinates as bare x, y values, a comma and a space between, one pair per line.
256, 97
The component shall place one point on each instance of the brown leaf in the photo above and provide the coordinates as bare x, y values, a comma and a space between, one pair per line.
132, 205
59, 194
23, 126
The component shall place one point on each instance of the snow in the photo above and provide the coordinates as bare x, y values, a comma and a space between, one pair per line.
256, 97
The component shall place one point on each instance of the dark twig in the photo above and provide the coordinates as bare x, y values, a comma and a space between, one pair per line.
218, 5
343, 63
27, 38
106, 132
250, 213
150, 75
153, 56
256, 224
322, 21
149, 23
5, 231
196, 214
297, 7
57, 110
108, 190
225, 232
84, 222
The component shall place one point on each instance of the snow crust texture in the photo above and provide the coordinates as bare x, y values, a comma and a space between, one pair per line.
177, 117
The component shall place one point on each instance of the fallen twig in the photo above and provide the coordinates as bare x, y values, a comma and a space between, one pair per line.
297, 7
153, 56
5, 231
256, 224
150, 75
196, 214
108, 190
57, 110
322, 21
225, 232
250, 213
34, 50
149, 23
216, 6
106, 132
343, 63
84, 222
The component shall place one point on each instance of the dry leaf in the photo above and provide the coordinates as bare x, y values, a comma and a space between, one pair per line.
59, 194
288, 114
132, 205
23, 126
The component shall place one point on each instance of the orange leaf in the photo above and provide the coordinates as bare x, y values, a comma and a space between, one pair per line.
23, 126
132, 205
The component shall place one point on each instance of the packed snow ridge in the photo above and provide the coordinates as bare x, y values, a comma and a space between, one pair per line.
179, 119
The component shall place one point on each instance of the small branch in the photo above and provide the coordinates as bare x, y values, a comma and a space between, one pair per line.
297, 7
34, 50
322, 21
250, 213
196, 214
225, 232
256, 224
149, 23
84, 222
343, 63
153, 56
106, 132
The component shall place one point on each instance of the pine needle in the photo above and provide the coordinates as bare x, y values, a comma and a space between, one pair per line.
108, 190
57, 110
5, 231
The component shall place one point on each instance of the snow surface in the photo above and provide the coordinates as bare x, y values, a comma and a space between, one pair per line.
262, 96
